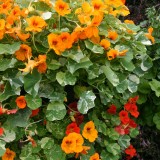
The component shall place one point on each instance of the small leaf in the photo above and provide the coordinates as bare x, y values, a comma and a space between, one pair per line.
33, 102
86, 101
155, 86
55, 111
53, 65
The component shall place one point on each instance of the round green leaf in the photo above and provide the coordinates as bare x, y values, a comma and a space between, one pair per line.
55, 111
33, 102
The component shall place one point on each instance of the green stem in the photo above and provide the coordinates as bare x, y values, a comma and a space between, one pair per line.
59, 18
33, 40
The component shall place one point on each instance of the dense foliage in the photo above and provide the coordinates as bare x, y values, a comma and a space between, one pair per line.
71, 76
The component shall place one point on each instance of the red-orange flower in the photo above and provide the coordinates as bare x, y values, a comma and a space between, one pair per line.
8, 155
21, 102
1, 131
41, 63
131, 151
72, 128
35, 24
62, 8
124, 117
35, 112
112, 109
89, 132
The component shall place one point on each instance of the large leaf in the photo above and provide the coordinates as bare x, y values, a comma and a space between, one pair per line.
8, 136
53, 65
8, 91
19, 119
55, 111
156, 120
124, 141
31, 82
74, 66
94, 47
128, 65
47, 143
9, 48
110, 75
2, 147
7, 63
55, 153
86, 101
65, 78
33, 102
155, 86
113, 148
108, 156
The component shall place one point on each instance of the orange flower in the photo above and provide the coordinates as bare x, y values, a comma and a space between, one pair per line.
98, 6
8, 155
2, 24
128, 21
55, 43
149, 34
95, 40
89, 132
123, 1
112, 35
79, 141
111, 54
66, 40
94, 157
21, 102
123, 53
62, 8
91, 31
84, 151
68, 144
35, 24
22, 36
41, 65
23, 53
5, 7
105, 43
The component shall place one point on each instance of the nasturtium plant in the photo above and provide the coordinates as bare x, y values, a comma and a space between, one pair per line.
71, 76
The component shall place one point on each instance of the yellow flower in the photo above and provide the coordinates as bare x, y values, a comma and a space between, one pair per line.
89, 132
35, 24
94, 157
149, 34
8, 155
98, 6
62, 8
